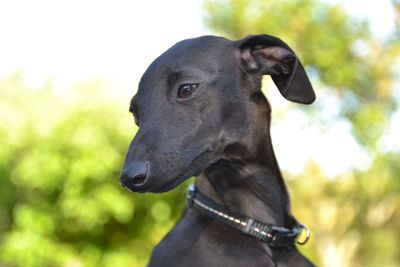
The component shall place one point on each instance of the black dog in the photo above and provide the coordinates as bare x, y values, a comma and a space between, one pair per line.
200, 112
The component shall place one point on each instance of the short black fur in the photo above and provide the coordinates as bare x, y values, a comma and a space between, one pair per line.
220, 133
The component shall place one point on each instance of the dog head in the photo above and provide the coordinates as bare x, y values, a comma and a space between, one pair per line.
200, 102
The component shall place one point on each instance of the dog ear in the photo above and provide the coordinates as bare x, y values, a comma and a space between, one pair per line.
266, 54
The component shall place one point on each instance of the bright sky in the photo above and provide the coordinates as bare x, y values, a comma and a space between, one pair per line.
74, 40
71, 40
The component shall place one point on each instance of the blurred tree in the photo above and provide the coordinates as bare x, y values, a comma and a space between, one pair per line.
60, 201
355, 217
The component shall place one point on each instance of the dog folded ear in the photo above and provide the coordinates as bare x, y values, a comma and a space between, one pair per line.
266, 54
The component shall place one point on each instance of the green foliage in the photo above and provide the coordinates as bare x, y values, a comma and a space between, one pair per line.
60, 200
354, 217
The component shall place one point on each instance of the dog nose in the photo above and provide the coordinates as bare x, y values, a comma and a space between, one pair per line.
134, 175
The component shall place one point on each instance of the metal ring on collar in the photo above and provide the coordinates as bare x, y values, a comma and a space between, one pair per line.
308, 234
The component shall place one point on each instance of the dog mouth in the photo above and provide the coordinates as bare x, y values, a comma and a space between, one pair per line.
198, 164
139, 186
170, 185
139, 181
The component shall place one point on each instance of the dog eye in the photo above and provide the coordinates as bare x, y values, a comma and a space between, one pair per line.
186, 90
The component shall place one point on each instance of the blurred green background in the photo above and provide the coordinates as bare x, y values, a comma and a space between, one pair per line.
60, 154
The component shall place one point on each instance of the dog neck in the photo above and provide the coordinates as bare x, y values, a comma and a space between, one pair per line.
249, 182
248, 190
